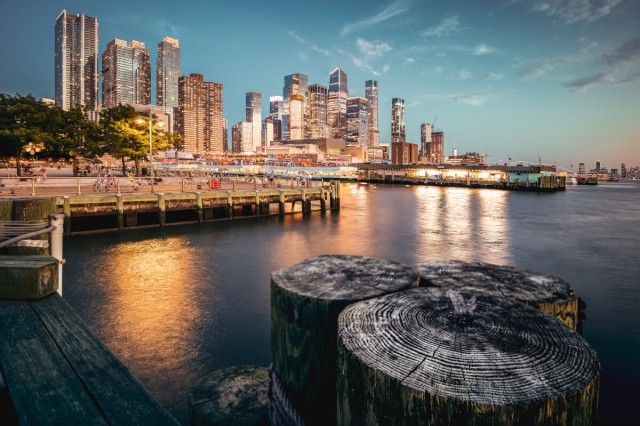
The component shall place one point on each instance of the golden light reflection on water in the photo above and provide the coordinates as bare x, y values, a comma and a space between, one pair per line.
463, 224
152, 310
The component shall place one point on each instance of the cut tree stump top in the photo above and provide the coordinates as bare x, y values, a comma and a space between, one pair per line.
462, 345
345, 277
532, 288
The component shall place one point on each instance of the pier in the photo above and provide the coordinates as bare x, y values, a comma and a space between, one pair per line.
537, 178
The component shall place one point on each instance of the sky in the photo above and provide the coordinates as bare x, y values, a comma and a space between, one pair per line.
551, 81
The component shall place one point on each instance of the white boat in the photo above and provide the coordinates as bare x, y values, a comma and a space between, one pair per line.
571, 180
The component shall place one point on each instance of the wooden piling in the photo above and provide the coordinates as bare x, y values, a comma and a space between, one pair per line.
430, 356
305, 302
550, 294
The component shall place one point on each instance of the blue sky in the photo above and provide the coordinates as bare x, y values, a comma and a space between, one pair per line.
557, 80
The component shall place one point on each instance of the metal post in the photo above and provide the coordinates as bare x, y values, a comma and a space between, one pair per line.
33, 187
57, 221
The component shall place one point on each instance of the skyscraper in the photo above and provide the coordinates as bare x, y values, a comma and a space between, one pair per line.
425, 142
436, 151
318, 127
276, 113
294, 84
371, 93
76, 61
254, 116
199, 119
357, 133
337, 103
398, 133
296, 116
167, 74
126, 74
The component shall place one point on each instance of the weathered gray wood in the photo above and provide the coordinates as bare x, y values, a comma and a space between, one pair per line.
305, 302
232, 396
58, 372
118, 394
548, 293
44, 388
28, 277
429, 356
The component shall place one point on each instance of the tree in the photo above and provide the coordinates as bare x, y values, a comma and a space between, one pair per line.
23, 120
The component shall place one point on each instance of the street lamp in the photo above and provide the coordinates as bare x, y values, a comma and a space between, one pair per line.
150, 120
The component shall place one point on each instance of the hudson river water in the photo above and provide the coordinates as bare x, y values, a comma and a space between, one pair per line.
177, 303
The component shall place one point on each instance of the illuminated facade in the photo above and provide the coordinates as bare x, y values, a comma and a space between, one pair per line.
371, 93
167, 74
357, 122
337, 103
296, 116
294, 84
404, 153
254, 116
76, 61
242, 137
425, 142
398, 132
126, 74
276, 113
318, 127
436, 148
199, 119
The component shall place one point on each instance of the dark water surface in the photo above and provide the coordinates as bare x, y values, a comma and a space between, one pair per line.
177, 303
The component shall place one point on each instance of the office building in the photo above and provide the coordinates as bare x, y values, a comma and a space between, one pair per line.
294, 84
371, 93
318, 127
296, 116
126, 74
436, 148
398, 131
425, 142
253, 114
199, 119
404, 153
276, 113
242, 138
167, 74
337, 103
357, 133
76, 62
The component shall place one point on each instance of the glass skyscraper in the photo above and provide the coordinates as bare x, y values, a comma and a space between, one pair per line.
337, 103
167, 74
76, 61
126, 74
371, 93
357, 122
318, 127
398, 133
254, 116
294, 84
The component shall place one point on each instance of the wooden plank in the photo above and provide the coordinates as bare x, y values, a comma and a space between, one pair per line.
44, 388
119, 395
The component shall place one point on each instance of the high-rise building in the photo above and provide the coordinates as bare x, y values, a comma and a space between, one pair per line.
267, 132
357, 122
126, 74
425, 142
337, 103
294, 84
254, 116
404, 153
296, 116
199, 119
242, 137
436, 148
398, 132
318, 127
276, 113
371, 93
581, 168
76, 62
167, 74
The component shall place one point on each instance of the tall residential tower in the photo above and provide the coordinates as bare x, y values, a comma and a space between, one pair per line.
76, 61
167, 74
398, 133
371, 93
254, 116
126, 74
337, 103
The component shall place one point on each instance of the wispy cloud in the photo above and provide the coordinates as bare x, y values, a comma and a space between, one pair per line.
364, 66
307, 43
409, 61
464, 74
483, 49
495, 76
444, 28
574, 11
618, 62
396, 8
538, 69
371, 49
471, 100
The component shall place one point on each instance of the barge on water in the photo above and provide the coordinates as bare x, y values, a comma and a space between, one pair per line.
540, 178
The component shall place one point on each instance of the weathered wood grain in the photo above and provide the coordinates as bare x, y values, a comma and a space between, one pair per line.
429, 356
58, 372
305, 302
548, 293
233, 396
28, 277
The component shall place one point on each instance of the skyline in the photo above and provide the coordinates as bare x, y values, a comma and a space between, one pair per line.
563, 88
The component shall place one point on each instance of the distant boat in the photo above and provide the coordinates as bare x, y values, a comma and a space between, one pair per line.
570, 180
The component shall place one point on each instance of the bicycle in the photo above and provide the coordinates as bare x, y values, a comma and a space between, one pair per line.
100, 185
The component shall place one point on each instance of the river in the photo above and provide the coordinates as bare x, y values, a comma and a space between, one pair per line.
177, 303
